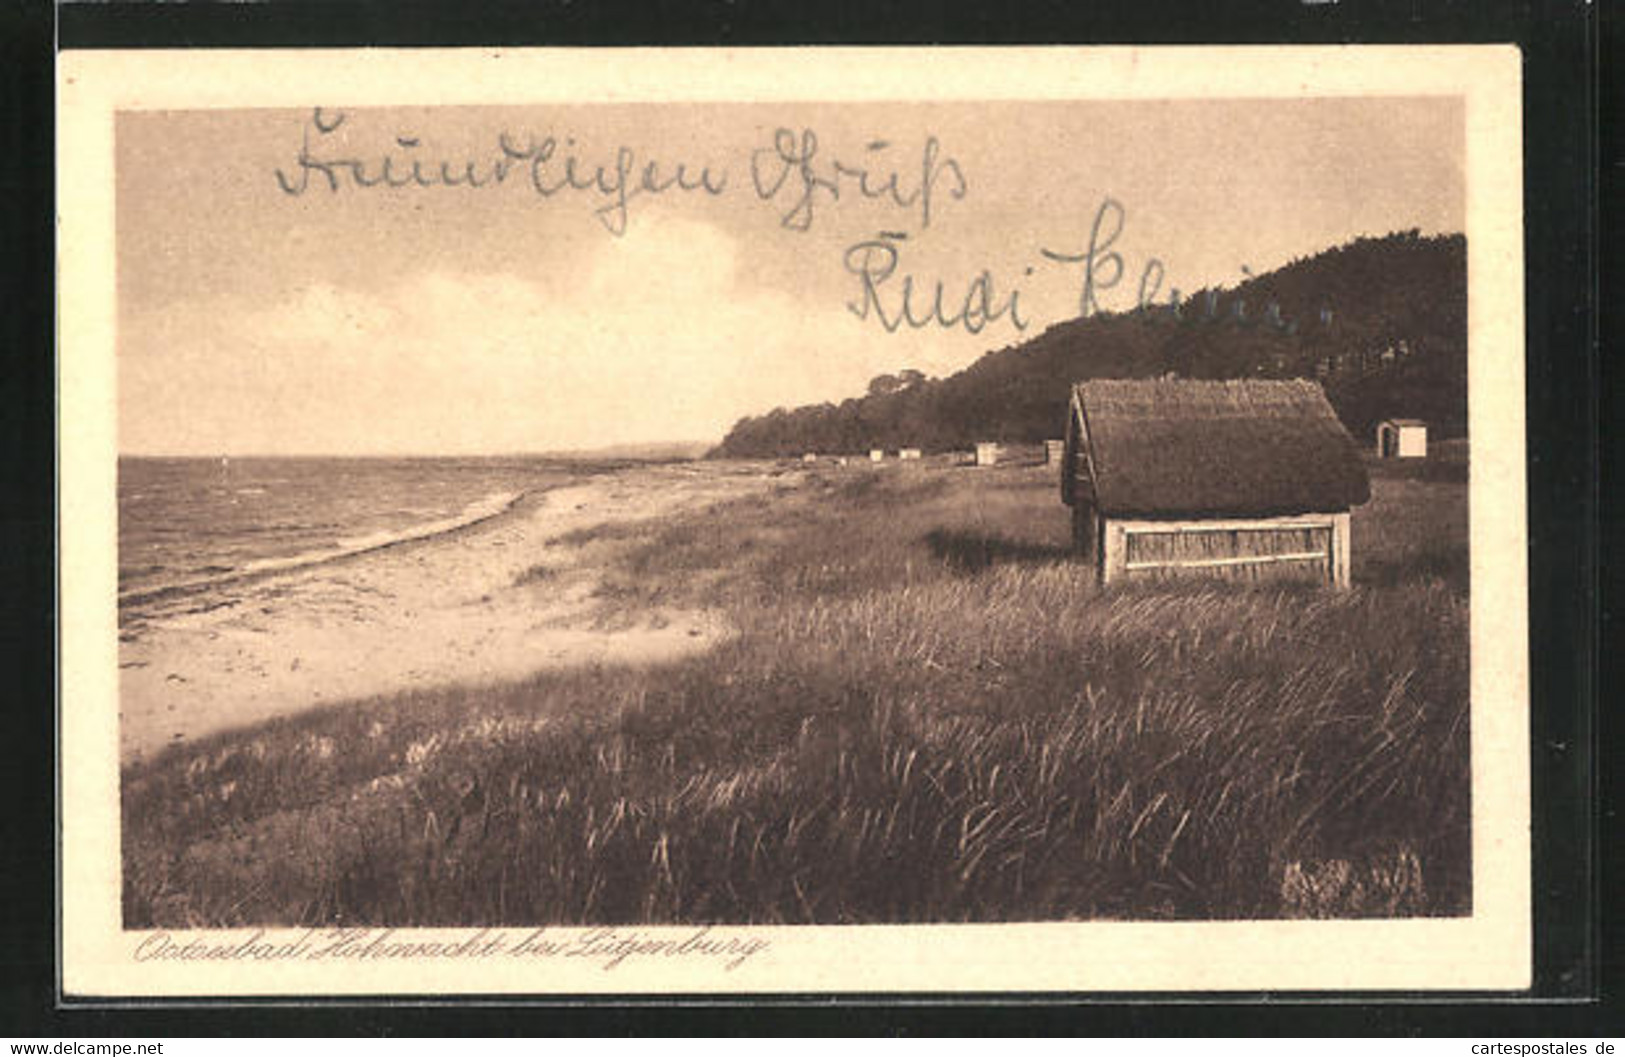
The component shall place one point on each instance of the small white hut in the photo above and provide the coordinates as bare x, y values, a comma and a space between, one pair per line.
877, 455
1402, 438
1053, 452
908, 453
987, 453
811, 456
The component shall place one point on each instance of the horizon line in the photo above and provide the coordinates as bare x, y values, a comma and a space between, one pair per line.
608, 449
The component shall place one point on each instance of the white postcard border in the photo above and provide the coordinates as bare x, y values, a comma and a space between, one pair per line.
1490, 950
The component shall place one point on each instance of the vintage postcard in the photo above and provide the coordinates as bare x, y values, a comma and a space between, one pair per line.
792, 520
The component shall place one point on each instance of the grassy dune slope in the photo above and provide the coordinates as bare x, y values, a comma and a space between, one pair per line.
929, 714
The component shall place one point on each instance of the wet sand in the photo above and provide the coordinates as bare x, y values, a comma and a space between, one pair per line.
415, 615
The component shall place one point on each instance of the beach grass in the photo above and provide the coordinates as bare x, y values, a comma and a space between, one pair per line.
929, 712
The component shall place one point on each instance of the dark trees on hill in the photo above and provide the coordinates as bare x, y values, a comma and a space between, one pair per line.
1380, 322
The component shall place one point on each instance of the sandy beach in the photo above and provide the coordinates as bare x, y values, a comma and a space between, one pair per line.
415, 615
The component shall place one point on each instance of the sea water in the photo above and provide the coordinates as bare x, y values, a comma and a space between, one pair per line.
192, 521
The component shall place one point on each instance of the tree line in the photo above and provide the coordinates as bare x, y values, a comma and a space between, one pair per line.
1381, 323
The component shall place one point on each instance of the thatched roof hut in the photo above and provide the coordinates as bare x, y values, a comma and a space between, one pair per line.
1240, 477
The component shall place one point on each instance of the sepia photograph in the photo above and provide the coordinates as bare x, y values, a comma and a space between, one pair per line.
636, 526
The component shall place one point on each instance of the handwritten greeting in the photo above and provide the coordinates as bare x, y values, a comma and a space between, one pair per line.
793, 174
796, 155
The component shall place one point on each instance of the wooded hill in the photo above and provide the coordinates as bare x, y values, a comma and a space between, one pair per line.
1380, 322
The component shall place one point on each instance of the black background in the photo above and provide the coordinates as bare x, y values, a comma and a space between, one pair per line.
1573, 510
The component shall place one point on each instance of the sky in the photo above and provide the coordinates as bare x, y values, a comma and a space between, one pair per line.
270, 303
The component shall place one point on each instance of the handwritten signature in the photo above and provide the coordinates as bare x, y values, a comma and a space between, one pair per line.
895, 300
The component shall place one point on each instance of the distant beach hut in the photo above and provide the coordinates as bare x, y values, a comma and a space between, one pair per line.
987, 453
811, 456
908, 453
1402, 438
876, 455
1053, 450
1243, 480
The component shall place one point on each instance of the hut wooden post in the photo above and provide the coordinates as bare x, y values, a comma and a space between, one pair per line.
1114, 552
1340, 550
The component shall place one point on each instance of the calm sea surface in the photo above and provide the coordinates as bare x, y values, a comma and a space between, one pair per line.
187, 520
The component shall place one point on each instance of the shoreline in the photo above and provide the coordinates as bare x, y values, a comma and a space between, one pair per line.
452, 608
266, 567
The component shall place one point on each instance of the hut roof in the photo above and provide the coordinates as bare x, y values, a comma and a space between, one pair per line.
1244, 448
1404, 422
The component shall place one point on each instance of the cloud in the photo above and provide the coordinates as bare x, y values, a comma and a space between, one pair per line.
656, 336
